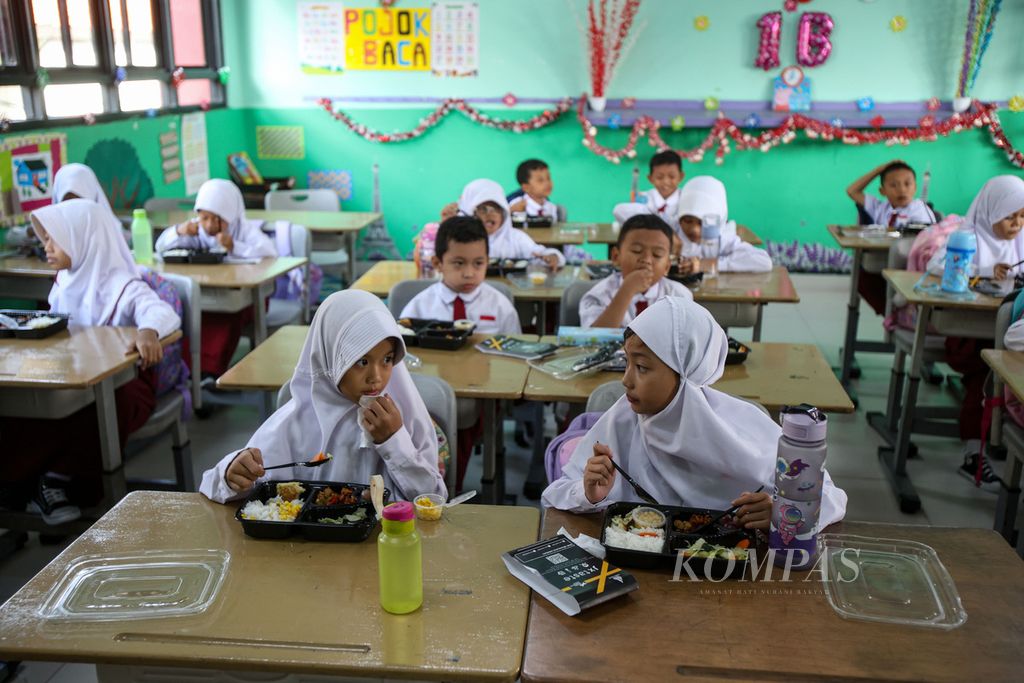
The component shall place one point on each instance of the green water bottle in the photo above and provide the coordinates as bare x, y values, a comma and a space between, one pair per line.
142, 237
400, 560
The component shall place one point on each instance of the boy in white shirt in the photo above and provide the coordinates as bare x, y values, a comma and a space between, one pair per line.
643, 257
666, 173
534, 178
461, 256
898, 186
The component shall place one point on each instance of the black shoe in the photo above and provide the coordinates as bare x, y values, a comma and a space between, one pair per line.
52, 504
989, 481
532, 490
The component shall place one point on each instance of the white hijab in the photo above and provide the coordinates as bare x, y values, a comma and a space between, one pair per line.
223, 198
80, 180
484, 190
999, 198
100, 270
706, 447
318, 418
703, 195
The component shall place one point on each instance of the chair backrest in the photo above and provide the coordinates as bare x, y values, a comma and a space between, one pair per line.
168, 204
1004, 317
440, 400
191, 316
569, 311
405, 291
563, 213
299, 236
302, 200
605, 396
899, 255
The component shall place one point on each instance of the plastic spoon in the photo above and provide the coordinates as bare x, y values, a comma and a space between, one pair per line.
460, 499
320, 459
377, 493
8, 322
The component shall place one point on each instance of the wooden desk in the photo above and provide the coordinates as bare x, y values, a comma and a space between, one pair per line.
774, 375
298, 607
471, 374
577, 232
849, 237
949, 317
54, 377
236, 286
325, 226
704, 631
1007, 370
26, 278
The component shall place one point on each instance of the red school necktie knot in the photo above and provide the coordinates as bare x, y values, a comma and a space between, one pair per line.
459, 309
641, 306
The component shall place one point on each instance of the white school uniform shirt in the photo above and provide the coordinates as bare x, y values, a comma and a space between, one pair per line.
883, 213
596, 300
1014, 338
999, 198
704, 448
506, 242
491, 310
223, 198
663, 207
704, 195
534, 208
318, 418
102, 287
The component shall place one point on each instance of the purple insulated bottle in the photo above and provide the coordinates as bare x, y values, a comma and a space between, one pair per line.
799, 476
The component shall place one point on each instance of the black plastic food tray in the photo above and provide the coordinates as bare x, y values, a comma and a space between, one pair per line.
690, 279
716, 569
435, 334
533, 222
307, 524
198, 258
738, 352
30, 333
503, 267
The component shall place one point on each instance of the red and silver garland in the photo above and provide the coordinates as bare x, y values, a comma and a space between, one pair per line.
546, 117
725, 132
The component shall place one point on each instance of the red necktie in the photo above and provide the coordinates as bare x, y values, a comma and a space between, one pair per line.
459, 310
641, 306
662, 209
892, 219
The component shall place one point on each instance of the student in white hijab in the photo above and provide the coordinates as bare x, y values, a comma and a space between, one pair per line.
77, 181
681, 440
702, 196
997, 218
220, 224
352, 356
486, 200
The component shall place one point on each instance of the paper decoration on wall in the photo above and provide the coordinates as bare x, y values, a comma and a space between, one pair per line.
120, 172
791, 90
27, 166
769, 26
339, 181
321, 38
814, 38
898, 23
608, 40
981, 22
280, 142
169, 156
456, 40
701, 23
381, 39
193, 151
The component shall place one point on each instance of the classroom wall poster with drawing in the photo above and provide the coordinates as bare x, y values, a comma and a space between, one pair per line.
321, 38
455, 39
193, 151
27, 166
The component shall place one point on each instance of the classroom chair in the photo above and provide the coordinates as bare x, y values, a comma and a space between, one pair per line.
403, 292
310, 200
569, 309
1003, 320
605, 396
166, 417
283, 312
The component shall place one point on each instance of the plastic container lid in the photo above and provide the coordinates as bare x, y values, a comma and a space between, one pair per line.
139, 213
962, 240
402, 511
140, 585
888, 580
804, 423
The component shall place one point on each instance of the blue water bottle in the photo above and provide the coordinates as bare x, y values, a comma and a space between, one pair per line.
960, 251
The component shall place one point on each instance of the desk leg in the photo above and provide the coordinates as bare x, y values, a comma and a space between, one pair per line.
852, 317
895, 461
114, 485
542, 318
489, 482
259, 321
757, 323
350, 237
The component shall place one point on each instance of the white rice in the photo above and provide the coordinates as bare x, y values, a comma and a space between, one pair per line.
630, 541
267, 512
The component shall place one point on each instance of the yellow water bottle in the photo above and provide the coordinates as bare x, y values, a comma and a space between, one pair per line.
400, 560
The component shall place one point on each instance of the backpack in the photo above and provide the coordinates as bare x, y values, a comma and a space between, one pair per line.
562, 446
172, 372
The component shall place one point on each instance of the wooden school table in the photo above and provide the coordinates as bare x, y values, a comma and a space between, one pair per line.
326, 227
761, 631
774, 375
576, 232
293, 606
950, 317
26, 278
849, 237
471, 374
57, 376
230, 287
1008, 369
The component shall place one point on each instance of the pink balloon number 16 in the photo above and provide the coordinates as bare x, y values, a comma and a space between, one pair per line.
813, 44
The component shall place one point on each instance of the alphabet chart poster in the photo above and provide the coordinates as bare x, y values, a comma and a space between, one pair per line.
321, 38
456, 39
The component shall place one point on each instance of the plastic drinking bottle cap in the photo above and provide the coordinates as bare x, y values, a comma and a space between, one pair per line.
399, 512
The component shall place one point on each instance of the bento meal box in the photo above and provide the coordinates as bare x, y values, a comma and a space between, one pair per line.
436, 334
738, 352
33, 324
719, 552
500, 267
315, 510
690, 279
193, 256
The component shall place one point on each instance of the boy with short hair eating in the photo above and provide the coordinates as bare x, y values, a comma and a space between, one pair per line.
534, 178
